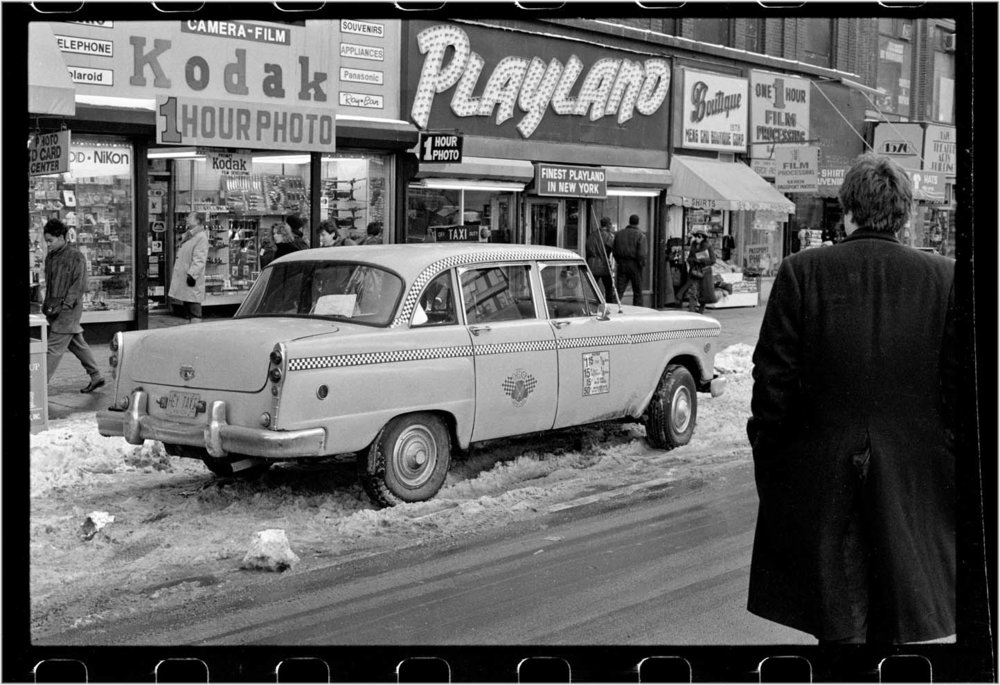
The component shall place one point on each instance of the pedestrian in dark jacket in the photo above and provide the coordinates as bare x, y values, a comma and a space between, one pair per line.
599, 246
285, 242
297, 225
65, 284
630, 255
699, 288
853, 430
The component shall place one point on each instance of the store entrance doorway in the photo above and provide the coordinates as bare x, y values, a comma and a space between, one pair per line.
544, 221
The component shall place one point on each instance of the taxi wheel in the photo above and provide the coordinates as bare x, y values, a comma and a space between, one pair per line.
408, 461
673, 410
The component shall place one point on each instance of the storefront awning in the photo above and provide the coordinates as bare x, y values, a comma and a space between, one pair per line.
638, 177
708, 183
50, 89
483, 168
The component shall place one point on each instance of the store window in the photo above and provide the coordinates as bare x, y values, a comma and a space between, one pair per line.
942, 105
355, 196
895, 65
94, 200
242, 209
450, 214
714, 31
818, 46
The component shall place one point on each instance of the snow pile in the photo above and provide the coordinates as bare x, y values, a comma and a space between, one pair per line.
174, 520
735, 359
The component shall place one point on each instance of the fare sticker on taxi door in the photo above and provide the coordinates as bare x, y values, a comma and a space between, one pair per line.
596, 373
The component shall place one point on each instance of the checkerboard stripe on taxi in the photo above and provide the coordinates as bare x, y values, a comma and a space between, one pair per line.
389, 357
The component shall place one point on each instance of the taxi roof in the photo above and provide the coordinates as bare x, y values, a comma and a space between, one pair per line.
412, 259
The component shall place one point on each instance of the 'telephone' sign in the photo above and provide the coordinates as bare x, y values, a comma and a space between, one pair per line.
223, 123
440, 148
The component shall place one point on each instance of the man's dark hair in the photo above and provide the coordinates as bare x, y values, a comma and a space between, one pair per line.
295, 223
878, 194
56, 228
634, 220
605, 222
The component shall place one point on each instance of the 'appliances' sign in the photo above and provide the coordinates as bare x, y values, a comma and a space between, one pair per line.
714, 111
552, 89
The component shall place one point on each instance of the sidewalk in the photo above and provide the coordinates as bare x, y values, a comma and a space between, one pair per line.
65, 397
739, 325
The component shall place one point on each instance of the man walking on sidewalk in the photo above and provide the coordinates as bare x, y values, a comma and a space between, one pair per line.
630, 254
854, 430
65, 283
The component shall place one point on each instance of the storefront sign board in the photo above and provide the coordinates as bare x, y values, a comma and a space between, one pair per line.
350, 65
928, 185
227, 162
490, 82
902, 142
714, 111
560, 180
797, 169
49, 153
223, 123
779, 111
439, 148
940, 149
100, 161
836, 122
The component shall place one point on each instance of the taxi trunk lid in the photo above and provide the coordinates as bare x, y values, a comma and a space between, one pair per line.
231, 355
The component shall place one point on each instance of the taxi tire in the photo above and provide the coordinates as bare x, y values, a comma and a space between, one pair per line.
673, 409
388, 470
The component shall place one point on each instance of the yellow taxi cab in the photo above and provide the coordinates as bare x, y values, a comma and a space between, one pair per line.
401, 354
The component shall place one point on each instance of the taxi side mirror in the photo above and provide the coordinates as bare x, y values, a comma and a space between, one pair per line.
604, 312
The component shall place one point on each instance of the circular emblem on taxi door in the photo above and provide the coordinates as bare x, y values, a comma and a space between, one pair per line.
518, 386
187, 372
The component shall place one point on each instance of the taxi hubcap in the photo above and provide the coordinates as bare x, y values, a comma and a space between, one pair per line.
680, 409
414, 456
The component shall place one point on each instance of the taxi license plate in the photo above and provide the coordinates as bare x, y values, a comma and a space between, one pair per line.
182, 404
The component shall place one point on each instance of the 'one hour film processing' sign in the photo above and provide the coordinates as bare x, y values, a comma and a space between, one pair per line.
560, 180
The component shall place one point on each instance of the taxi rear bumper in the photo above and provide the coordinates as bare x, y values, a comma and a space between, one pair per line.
218, 437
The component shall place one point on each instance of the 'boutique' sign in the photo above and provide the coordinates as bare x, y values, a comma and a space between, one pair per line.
714, 111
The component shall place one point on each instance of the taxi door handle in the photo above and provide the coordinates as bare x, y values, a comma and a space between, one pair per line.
561, 324
476, 330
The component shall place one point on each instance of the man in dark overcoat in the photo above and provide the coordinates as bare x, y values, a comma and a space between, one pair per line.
853, 430
629, 249
65, 285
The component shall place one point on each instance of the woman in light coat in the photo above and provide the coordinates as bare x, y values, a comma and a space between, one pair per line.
187, 284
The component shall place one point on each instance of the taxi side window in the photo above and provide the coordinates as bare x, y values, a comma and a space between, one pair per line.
436, 306
498, 293
568, 291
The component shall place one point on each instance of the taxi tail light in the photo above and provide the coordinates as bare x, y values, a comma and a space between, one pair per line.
276, 368
115, 345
